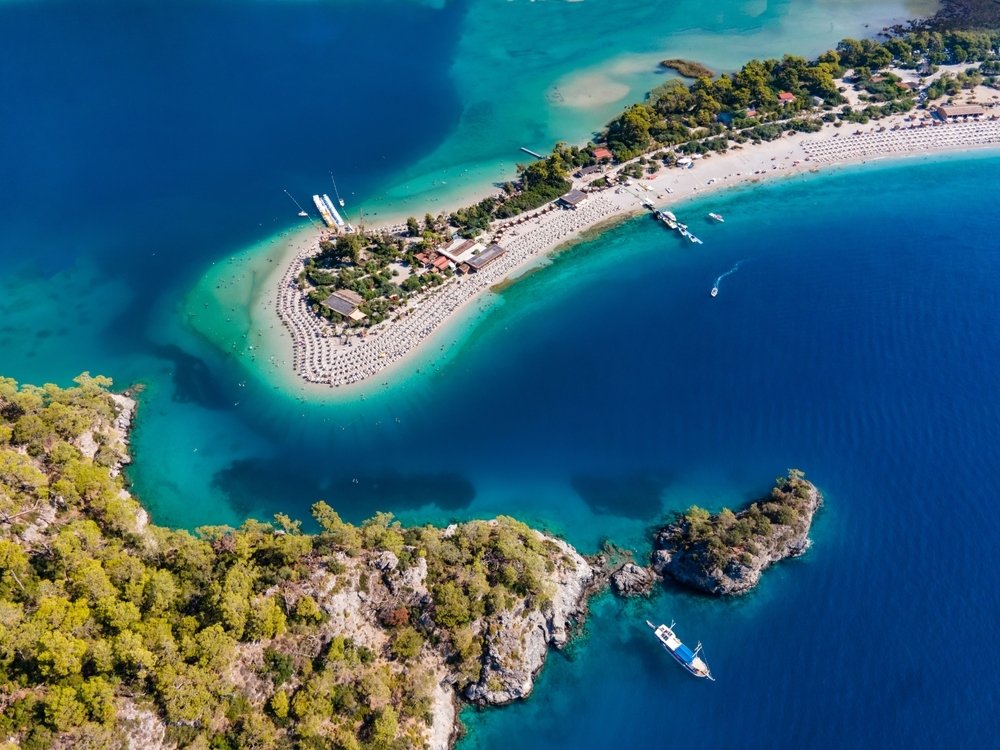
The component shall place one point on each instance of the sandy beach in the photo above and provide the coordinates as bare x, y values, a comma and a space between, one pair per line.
320, 358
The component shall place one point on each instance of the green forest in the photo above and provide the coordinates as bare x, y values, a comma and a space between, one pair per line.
225, 638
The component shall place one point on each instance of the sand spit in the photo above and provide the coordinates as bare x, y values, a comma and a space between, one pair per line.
321, 357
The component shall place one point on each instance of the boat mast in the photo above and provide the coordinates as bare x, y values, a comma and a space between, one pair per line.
335, 191
301, 210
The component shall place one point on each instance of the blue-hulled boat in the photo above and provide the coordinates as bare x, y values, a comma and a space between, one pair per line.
690, 660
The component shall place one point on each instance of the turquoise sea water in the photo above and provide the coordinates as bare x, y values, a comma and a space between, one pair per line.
858, 341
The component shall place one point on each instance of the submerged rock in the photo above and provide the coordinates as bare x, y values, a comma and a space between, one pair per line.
632, 580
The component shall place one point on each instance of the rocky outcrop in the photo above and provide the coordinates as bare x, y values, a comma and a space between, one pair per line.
517, 641
725, 554
632, 580
125, 407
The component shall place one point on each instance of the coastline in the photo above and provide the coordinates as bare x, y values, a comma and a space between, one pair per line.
395, 347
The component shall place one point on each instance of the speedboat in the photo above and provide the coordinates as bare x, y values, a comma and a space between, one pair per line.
715, 291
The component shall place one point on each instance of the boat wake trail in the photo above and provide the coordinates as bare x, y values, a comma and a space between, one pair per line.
734, 269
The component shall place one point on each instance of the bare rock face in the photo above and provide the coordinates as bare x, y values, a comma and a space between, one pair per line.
126, 407
516, 646
517, 641
632, 580
725, 554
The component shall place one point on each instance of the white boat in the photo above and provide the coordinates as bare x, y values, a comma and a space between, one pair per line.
302, 211
690, 660
324, 210
335, 191
716, 217
667, 218
715, 291
337, 219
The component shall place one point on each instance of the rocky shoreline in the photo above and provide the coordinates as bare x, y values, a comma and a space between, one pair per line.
725, 554
354, 593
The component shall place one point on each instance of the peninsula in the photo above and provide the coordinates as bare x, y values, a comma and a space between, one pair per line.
687, 68
354, 305
115, 632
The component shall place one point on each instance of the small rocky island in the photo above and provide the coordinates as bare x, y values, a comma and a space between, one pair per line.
725, 553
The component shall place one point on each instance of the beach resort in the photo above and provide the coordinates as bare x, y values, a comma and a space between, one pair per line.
336, 351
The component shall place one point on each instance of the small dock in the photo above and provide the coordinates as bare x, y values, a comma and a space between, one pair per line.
527, 150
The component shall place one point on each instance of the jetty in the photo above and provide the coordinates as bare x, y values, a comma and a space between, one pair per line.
527, 150
337, 219
324, 210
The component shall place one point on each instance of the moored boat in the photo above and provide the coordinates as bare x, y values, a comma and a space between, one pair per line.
667, 218
716, 217
324, 211
690, 660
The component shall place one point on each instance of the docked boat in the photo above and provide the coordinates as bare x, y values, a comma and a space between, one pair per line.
716, 217
715, 291
667, 218
694, 239
337, 219
690, 660
324, 211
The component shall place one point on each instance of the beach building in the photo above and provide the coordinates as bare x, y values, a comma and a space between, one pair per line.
486, 257
345, 303
572, 199
440, 263
948, 111
460, 250
591, 170
601, 153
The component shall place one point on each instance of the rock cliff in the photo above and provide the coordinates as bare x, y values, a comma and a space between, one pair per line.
725, 553
516, 642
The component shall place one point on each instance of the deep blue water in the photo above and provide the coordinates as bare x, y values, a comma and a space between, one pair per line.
858, 340
151, 138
